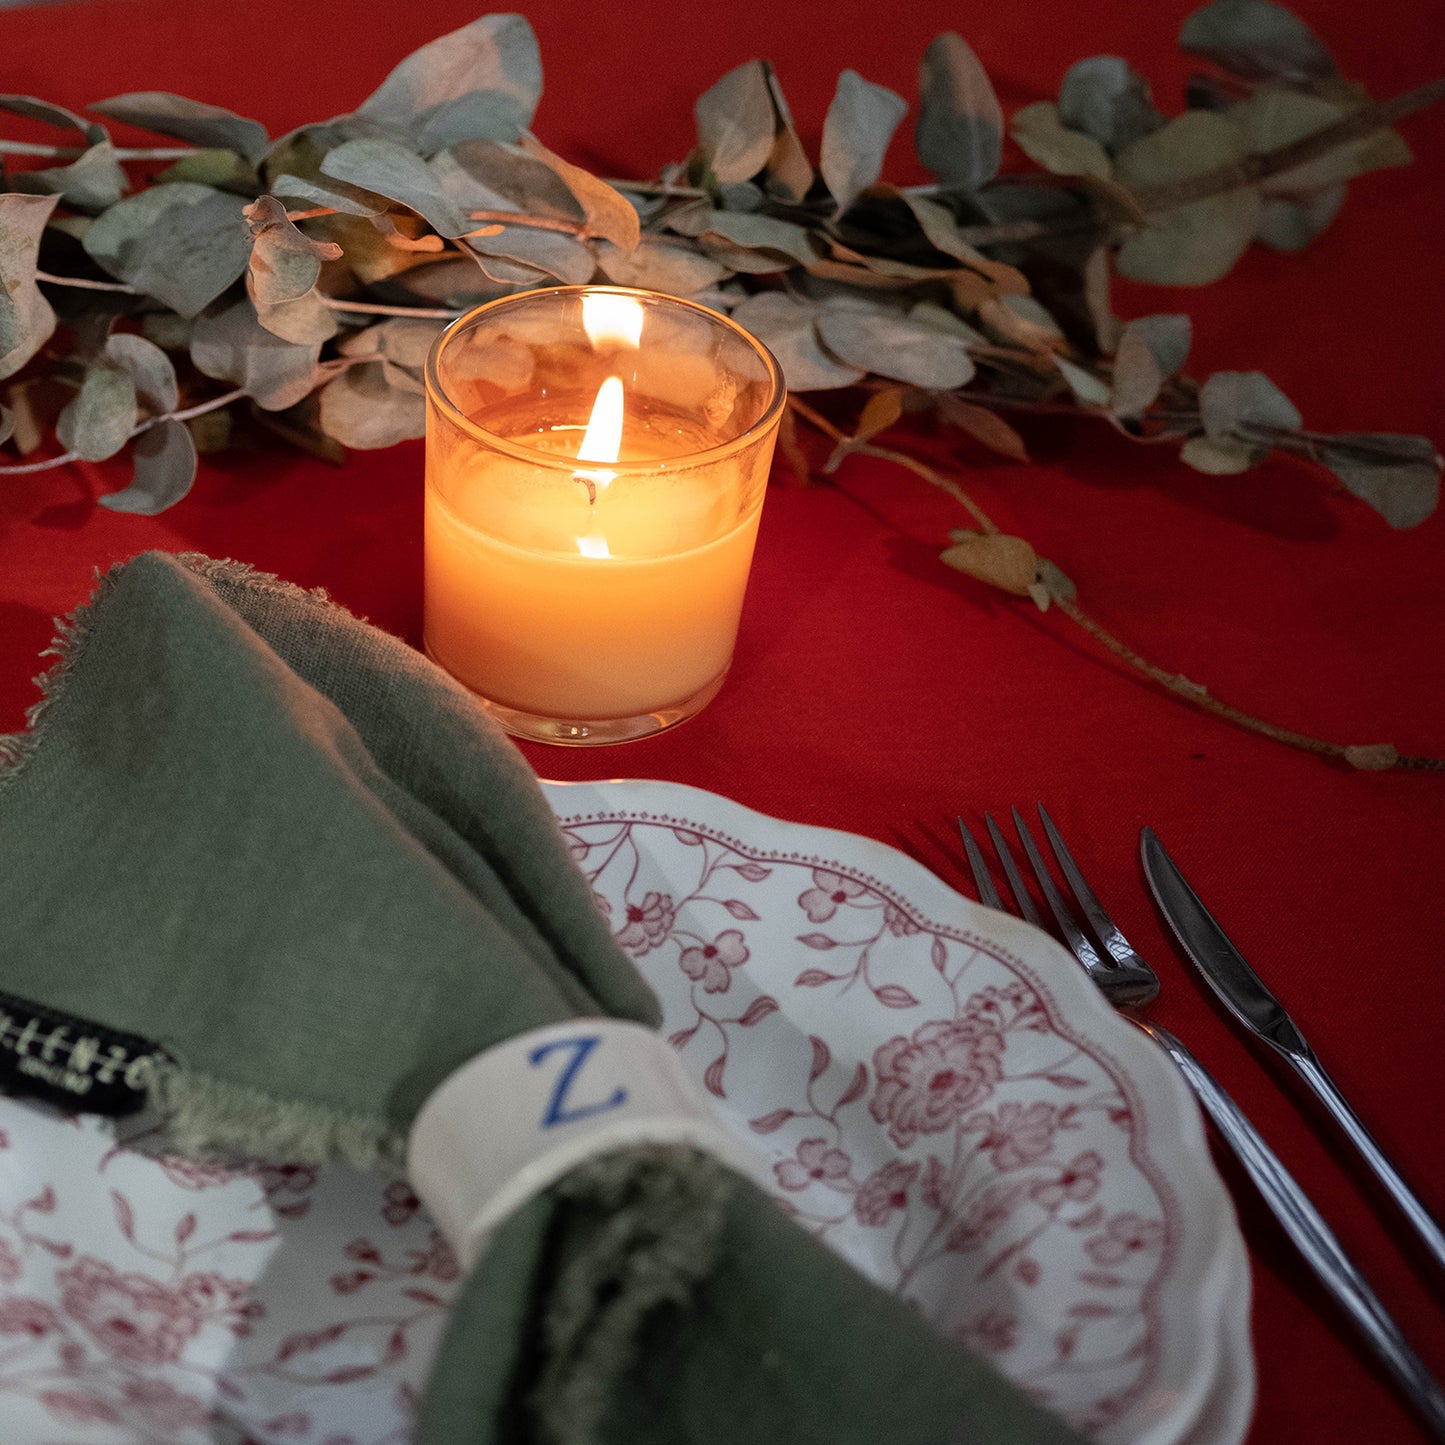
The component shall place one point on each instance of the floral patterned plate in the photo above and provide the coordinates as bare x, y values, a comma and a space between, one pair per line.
938, 1091
934, 1089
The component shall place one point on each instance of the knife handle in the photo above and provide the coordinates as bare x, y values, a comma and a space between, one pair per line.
1311, 1236
1409, 1203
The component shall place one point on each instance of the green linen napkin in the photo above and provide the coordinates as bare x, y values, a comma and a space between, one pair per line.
298, 857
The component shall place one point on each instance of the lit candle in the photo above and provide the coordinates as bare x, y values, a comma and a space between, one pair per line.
596, 464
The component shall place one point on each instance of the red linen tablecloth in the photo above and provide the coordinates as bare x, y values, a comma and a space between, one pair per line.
876, 691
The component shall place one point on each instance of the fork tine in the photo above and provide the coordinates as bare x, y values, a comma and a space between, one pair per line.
1074, 936
1106, 930
987, 893
1011, 872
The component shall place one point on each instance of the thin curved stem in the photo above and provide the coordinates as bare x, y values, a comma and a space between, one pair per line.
376, 308
133, 153
214, 403
84, 283
534, 223
1177, 685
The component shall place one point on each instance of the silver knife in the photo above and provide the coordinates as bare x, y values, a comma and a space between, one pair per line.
1242, 992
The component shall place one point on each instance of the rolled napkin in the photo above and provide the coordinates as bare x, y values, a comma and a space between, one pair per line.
299, 860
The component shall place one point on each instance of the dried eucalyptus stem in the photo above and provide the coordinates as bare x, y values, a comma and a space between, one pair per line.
1369, 757
308, 275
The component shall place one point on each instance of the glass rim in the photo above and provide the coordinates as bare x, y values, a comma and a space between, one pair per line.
438, 397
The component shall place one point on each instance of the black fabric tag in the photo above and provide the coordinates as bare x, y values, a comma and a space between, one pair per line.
71, 1062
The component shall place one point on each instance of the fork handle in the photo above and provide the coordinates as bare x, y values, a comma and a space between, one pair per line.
1408, 1202
1311, 1235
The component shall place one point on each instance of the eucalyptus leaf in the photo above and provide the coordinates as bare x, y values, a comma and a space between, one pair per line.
1024, 320
940, 229
890, 344
764, 233
349, 200
790, 172
984, 426
183, 244
361, 409
959, 135
367, 247
485, 176
26, 317
400, 340
165, 468
1168, 339
608, 215
57, 115
97, 421
1196, 243
736, 123
657, 266
230, 344
148, 367
223, 169
1399, 476
1275, 116
740, 196
564, 257
453, 281
1008, 563
517, 275
785, 326
306, 321
1043, 137
1257, 40
932, 317
480, 82
856, 132
1222, 456
1087, 388
92, 182
1137, 376
285, 264
1104, 97
1231, 400
1290, 224
391, 170
169, 331
1058, 585
212, 127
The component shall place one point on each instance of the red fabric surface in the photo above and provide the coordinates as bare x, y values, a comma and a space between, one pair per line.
874, 690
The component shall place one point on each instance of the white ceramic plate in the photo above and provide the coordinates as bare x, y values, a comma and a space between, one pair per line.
933, 1088
938, 1091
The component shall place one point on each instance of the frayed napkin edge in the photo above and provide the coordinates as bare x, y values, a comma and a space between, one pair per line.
203, 1115
73, 631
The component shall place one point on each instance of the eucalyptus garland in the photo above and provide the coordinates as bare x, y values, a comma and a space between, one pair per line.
298, 282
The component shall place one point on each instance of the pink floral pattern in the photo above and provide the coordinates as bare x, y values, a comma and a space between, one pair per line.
928, 1082
908, 1088
708, 963
814, 1160
883, 1192
976, 1156
130, 1316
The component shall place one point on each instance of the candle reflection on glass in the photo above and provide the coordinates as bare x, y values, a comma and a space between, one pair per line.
596, 462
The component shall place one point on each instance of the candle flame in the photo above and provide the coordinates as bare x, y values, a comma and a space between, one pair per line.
602, 441
617, 319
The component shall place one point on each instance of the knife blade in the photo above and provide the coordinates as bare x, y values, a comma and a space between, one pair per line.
1247, 998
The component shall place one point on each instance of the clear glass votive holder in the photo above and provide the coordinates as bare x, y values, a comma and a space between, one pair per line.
596, 461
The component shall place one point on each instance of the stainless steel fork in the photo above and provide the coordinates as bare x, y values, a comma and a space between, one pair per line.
1128, 982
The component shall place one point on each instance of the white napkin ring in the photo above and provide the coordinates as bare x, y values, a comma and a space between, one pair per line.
516, 1118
